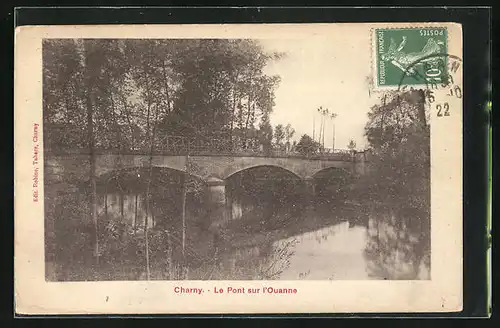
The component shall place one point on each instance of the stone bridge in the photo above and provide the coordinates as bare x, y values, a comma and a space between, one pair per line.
216, 157
62, 166
64, 169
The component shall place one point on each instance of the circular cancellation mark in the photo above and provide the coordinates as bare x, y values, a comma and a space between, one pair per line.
436, 73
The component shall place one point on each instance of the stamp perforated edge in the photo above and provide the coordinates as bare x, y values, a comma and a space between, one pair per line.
373, 59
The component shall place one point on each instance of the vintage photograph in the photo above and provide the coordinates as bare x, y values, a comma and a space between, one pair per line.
232, 168
229, 159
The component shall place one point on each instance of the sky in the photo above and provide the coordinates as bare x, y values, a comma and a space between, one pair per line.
323, 72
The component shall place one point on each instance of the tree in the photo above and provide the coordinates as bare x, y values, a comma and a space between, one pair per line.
289, 133
99, 114
352, 145
89, 79
221, 87
279, 135
307, 146
85, 116
399, 138
199, 88
266, 133
63, 98
398, 182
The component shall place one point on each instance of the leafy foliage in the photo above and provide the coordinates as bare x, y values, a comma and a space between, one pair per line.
352, 145
193, 88
289, 133
266, 133
279, 135
398, 181
307, 146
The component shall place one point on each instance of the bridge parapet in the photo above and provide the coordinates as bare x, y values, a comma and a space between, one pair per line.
216, 157
337, 155
64, 167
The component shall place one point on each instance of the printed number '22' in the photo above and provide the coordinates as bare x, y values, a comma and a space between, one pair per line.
444, 107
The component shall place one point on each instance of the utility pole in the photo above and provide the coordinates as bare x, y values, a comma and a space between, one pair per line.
333, 116
320, 110
323, 112
314, 119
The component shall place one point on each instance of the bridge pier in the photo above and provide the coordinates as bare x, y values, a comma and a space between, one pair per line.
217, 210
216, 192
360, 163
216, 200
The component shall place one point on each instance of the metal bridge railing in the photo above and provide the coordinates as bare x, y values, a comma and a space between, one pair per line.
213, 146
239, 147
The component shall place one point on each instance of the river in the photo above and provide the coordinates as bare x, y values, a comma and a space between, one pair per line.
345, 244
334, 252
272, 233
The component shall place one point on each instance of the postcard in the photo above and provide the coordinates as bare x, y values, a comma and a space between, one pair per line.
238, 168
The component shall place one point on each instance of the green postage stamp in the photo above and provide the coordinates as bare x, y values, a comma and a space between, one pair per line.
411, 56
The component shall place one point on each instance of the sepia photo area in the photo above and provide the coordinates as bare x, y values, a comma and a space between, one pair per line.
230, 159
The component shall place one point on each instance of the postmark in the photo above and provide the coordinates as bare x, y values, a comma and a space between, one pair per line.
412, 52
442, 91
445, 67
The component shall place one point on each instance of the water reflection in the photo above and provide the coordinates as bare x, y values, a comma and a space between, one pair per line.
272, 233
398, 245
383, 248
333, 252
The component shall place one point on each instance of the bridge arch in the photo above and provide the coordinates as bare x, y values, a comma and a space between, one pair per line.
110, 171
332, 183
339, 169
230, 173
137, 176
111, 162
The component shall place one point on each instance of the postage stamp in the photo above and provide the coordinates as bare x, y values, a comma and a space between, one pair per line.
263, 168
411, 51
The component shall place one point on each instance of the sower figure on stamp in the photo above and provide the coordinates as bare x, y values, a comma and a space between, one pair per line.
403, 60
